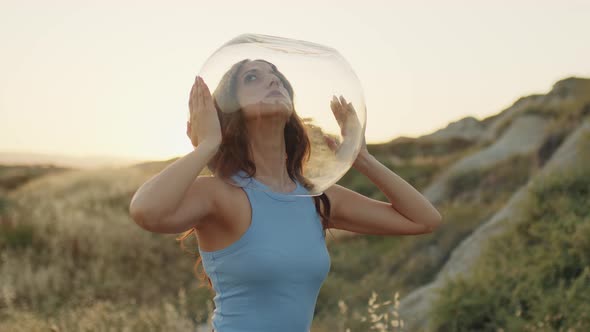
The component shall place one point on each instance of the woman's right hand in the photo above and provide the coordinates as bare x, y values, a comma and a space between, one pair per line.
203, 127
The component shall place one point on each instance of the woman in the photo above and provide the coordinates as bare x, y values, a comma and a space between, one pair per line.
264, 250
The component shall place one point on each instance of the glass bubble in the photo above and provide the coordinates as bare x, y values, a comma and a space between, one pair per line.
300, 97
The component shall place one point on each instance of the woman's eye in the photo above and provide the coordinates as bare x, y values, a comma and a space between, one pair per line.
249, 75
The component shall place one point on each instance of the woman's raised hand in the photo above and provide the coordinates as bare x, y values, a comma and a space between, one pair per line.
346, 116
350, 126
203, 127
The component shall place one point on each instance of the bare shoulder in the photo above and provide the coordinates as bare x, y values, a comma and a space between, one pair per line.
213, 189
200, 205
220, 194
231, 217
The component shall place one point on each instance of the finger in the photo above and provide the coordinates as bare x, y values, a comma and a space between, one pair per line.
205, 88
333, 105
334, 99
337, 105
193, 89
337, 112
197, 84
345, 103
205, 94
208, 100
199, 95
193, 103
350, 108
342, 108
190, 100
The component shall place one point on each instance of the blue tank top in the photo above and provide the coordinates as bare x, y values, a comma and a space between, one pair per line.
269, 279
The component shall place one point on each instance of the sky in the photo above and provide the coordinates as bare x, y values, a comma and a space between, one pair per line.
113, 78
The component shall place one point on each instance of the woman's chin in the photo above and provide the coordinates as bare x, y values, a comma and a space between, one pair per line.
275, 109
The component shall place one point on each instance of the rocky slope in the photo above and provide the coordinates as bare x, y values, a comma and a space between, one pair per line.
526, 132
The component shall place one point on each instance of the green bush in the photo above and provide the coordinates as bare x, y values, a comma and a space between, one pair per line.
536, 275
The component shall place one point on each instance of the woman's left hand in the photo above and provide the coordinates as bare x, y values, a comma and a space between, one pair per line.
346, 116
348, 122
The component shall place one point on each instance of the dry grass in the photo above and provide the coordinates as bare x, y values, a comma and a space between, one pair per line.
81, 263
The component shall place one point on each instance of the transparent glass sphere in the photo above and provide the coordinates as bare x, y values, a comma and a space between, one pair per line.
276, 95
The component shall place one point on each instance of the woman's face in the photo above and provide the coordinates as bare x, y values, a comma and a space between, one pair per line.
261, 92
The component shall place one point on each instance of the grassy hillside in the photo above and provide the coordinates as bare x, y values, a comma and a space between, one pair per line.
72, 258
12, 177
401, 264
536, 277
368, 263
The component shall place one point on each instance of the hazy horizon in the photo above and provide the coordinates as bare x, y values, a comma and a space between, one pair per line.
111, 79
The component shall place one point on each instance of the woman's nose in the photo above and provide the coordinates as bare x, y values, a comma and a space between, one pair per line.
275, 80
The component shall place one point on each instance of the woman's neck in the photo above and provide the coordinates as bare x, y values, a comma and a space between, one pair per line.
267, 149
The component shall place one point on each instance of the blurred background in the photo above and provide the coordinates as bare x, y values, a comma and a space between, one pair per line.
483, 107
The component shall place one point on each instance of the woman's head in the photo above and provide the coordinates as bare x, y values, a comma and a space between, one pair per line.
241, 97
263, 91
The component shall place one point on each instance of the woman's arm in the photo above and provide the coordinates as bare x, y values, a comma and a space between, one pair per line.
403, 197
409, 213
161, 195
164, 203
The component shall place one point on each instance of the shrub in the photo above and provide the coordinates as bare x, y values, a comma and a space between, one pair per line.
535, 275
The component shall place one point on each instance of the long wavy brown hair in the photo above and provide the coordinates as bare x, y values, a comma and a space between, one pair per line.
234, 153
